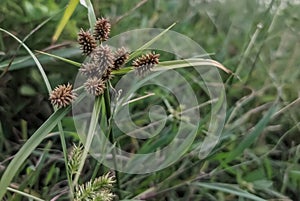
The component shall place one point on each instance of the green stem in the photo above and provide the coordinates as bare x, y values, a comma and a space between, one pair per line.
65, 152
88, 142
110, 133
264, 39
25, 194
29, 147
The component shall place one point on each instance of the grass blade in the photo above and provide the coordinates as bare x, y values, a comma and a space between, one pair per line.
190, 62
166, 65
64, 20
229, 188
60, 58
24, 194
91, 12
30, 145
146, 45
252, 136
34, 58
25, 61
90, 135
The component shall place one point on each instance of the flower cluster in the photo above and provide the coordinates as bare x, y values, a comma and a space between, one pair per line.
98, 189
86, 41
102, 29
74, 159
145, 63
102, 60
62, 96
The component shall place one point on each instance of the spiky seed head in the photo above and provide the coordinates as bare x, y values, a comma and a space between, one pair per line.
86, 41
145, 63
94, 86
89, 69
62, 96
107, 74
75, 158
121, 55
103, 57
98, 189
105, 195
102, 29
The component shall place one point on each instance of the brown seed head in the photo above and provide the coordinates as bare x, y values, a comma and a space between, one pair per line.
145, 63
86, 41
102, 29
62, 96
121, 55
89, 69
107, 75
94, 86
103, 58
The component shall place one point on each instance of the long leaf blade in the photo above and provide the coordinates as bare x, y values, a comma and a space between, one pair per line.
146, 45
252, 136
29, 146
64, 20
45, 78
60, 58
228, 188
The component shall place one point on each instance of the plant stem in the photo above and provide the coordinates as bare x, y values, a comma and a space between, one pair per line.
110, 133
88, 142
65, 152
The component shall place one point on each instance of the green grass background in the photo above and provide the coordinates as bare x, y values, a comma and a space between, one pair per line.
258, 155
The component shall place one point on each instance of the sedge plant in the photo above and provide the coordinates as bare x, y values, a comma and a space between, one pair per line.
99, 69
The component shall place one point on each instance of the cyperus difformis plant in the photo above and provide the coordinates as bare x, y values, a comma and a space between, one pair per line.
98, 70
101, 62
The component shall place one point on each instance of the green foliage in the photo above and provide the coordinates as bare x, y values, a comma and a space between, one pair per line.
257, 157
30, 145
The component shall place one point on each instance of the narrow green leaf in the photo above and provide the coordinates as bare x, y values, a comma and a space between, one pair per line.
146, 45
26, 61
24, 194
166, 65
228, 188
60, 58
30, 145
192, 62
64, 20
35, 175
91, 13
122, 71
45, 78
252, 136
88, 141
295, 173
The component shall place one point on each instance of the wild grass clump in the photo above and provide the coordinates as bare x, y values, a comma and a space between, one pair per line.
44, 157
